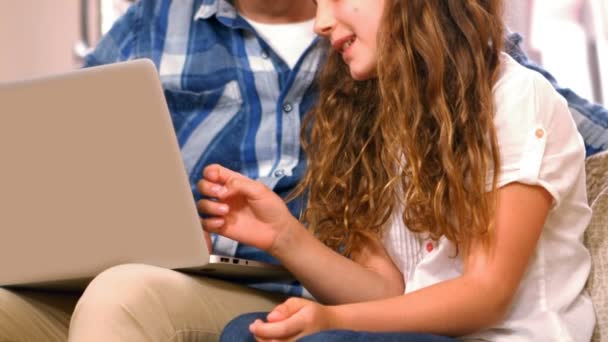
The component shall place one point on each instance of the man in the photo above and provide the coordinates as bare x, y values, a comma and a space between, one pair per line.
238, 77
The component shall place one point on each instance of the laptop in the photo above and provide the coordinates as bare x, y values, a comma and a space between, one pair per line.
91, 176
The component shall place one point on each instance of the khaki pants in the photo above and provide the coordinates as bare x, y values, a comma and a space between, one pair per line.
130, 303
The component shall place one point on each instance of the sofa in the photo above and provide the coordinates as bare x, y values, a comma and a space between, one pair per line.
596, 239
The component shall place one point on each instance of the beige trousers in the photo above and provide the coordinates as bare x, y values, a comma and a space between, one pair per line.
130, 303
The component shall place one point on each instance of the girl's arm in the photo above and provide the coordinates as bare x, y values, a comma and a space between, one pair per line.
476, 300
334, 279
247, 211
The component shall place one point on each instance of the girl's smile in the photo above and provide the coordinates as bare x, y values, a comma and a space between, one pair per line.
344, 44
352, 28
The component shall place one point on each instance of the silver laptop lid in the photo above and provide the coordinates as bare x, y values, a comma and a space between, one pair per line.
91, 177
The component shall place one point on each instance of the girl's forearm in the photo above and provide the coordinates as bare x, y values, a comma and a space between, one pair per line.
330, 277
435, 309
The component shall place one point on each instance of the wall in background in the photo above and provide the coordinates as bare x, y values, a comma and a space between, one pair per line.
569, 38
37, 37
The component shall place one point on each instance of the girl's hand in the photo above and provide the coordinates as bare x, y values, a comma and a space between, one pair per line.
293, 319
242, 209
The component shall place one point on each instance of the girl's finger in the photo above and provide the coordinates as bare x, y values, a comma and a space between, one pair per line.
213, 224
245, 186
212, 208
210, 189
233, 183
286, 329
219, 174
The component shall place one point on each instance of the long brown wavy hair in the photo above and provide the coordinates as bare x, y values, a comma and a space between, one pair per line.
420, 136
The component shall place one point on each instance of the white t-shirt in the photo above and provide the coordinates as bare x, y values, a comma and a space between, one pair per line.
539, 145
289, 41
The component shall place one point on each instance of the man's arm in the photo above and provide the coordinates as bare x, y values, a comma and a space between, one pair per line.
119, 43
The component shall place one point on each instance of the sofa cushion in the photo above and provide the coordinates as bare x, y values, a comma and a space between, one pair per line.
596, 239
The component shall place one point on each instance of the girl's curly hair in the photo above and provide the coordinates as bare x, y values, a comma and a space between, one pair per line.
420, 136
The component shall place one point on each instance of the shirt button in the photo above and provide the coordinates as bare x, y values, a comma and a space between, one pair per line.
539, 133
287, 107
429, 247
279, 173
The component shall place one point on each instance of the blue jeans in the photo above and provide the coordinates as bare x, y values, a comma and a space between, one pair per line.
238, 331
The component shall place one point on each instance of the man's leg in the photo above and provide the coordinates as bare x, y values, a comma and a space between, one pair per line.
35, 315
146, 303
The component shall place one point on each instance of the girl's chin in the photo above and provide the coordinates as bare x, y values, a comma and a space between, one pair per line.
361, 76
361, 72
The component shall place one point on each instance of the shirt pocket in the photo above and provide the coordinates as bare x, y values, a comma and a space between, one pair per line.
189, 109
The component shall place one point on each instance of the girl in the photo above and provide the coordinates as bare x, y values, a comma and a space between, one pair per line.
431, 144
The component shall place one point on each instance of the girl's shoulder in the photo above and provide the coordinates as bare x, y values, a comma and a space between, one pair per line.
523, 97
513, 76
535, 131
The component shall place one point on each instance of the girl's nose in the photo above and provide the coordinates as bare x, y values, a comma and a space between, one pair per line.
325, 21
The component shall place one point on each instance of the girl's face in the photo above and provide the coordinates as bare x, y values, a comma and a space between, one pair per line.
352, 28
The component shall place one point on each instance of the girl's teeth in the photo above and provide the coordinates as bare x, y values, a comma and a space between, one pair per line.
348, 43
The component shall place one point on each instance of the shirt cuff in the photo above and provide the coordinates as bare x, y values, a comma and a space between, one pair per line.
224, 246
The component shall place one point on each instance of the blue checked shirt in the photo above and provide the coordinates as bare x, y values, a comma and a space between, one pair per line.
233, 101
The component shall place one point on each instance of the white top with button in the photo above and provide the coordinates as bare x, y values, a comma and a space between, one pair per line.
539, 145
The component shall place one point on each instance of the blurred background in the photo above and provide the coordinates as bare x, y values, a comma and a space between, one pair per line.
41, 37
568, 37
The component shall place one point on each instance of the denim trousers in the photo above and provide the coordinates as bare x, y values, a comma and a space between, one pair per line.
238, 331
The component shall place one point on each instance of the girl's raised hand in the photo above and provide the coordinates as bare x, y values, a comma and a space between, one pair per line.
242, 209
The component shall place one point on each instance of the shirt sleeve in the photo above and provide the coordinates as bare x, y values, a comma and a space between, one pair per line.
118, 44
537, 137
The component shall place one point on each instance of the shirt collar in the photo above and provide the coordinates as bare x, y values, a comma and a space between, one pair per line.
220, 8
